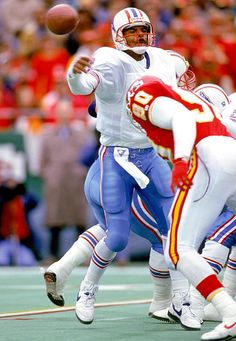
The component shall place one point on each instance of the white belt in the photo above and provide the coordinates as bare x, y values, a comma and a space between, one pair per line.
121, 155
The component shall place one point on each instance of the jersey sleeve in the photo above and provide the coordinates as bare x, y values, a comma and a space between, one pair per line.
169, 114
106, 76
169, 64
112, 75
81, 83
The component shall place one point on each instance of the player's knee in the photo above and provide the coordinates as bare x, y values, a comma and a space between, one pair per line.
116, 241
173, 258
216, 251
169, 262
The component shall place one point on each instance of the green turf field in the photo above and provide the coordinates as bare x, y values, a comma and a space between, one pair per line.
121, 313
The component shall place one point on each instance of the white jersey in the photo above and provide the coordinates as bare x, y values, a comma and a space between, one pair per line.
229, 117
109, 78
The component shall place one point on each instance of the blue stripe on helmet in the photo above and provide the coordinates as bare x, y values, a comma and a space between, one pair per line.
134, 12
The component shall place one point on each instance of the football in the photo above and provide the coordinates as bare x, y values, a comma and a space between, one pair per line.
61, 19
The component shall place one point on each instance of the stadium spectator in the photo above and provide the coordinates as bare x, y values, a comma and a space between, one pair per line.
16, 14
19, 242
65, 204
61, 91
48, 61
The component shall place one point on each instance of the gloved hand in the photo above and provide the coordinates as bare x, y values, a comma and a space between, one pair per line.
180, 175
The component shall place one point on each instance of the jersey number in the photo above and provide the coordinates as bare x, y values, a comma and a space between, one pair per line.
143, 98
204, 115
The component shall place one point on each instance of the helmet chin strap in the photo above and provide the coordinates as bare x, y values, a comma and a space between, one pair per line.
137, 49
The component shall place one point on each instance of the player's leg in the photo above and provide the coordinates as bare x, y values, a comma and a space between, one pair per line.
58, 273
216, 256
222, 301
151, 206
162, 290
145, 226
157, 195
156, 259
182, 245
229, 282
229, 278
158, 198
170, 290
116, 195
221, 237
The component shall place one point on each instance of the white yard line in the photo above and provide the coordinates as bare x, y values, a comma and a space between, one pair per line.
70, 308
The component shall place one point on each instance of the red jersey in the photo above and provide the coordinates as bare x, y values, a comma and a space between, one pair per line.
143, 93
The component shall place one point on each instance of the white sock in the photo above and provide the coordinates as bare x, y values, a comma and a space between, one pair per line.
180, 288
229, 279
162, 282
79, 252
225, 305
101, 258
197, 302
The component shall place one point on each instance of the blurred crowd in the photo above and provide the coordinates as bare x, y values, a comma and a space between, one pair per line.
33, 61
34, 95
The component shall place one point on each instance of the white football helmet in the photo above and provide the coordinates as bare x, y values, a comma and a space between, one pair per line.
185, 76
214, 94
126, 18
